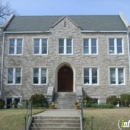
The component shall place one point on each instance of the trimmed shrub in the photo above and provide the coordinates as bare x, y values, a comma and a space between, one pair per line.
38, 100
95, 105
112, 100
2, 103
125, 99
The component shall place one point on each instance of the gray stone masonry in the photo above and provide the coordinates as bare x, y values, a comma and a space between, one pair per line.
77, 62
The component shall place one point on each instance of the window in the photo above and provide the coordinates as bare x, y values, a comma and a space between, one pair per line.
116, 76
40, 46
115, 46
90, 46
39, 76
65, 46
90, 76
15, 46
14, 76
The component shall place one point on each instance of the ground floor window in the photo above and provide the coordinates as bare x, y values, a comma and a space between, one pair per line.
12, 102
39, 76
90, 76
117, 76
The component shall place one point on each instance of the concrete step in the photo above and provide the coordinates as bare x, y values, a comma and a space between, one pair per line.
64, 125
61, 128
57, 120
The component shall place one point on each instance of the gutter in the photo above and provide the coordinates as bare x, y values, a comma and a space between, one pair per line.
26, 32
2, 67
84, 31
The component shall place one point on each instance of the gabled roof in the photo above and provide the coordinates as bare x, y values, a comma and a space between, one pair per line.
86, 22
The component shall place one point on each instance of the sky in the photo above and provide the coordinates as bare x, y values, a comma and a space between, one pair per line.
71, 7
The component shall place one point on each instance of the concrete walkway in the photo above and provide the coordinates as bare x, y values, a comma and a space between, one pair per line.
60, 113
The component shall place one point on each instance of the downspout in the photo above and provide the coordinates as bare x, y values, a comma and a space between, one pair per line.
128, 52
2, 67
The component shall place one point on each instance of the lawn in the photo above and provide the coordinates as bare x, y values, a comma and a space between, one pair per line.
13, 119
106, 119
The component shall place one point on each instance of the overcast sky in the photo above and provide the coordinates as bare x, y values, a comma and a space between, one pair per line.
71, 7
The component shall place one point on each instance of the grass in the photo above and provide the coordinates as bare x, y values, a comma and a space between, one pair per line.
106, 119
13, 119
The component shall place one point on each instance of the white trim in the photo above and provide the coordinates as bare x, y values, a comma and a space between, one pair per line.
26, 32
84, 31
115, 46
40, 46
14, 76
116, 74
90, 46
15, 46
90, 76
65, 46
39, 75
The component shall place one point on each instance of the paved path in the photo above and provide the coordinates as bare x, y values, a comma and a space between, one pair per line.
60, 113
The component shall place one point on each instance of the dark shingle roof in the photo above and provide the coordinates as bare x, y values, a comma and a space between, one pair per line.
86, 22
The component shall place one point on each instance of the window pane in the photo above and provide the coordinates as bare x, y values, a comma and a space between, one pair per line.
94, 50
93, 42
19, 46
10, 75
43, 76
36, 46
120, 76
18, 76
61, 42
111, 46
35, 75
61, 50
11, 46
69, 42
86, 46
93, 46
86, 76
119, 45
113, 76
44, 46
69, 50
94, 75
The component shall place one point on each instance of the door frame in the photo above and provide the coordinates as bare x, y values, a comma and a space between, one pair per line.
56, 74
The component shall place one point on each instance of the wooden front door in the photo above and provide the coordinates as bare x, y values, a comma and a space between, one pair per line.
65, 79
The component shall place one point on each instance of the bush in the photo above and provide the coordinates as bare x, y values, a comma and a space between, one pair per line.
95, 105
2, 103
38, 100
125, 99
112, 100
89, 99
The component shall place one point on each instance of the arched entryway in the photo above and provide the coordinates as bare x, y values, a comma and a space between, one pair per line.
65, 79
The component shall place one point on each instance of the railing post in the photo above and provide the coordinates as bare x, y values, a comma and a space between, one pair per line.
25, 123
82, 114
31, 108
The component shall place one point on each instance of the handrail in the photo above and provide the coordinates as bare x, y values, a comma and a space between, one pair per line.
82, 115
28, 115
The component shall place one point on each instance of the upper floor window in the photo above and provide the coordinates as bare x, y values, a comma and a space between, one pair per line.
14, 76
90, 46
15, 46
40, 46
115, 46
65, 46
39, 76
117, 76
90, 76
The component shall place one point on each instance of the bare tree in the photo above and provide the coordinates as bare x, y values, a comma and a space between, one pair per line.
5, 11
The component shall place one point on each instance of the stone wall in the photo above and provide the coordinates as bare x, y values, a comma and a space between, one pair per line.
76, 61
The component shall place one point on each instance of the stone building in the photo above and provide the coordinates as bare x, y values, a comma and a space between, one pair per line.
66, 52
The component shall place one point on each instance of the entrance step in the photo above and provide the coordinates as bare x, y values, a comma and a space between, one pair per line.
57, 119
65, 100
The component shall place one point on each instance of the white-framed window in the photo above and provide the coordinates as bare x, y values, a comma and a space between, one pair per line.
15, 46
14, 76
40, 46
90, 76
115, 46
39, 76
90, 46
65, 46
117, 76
